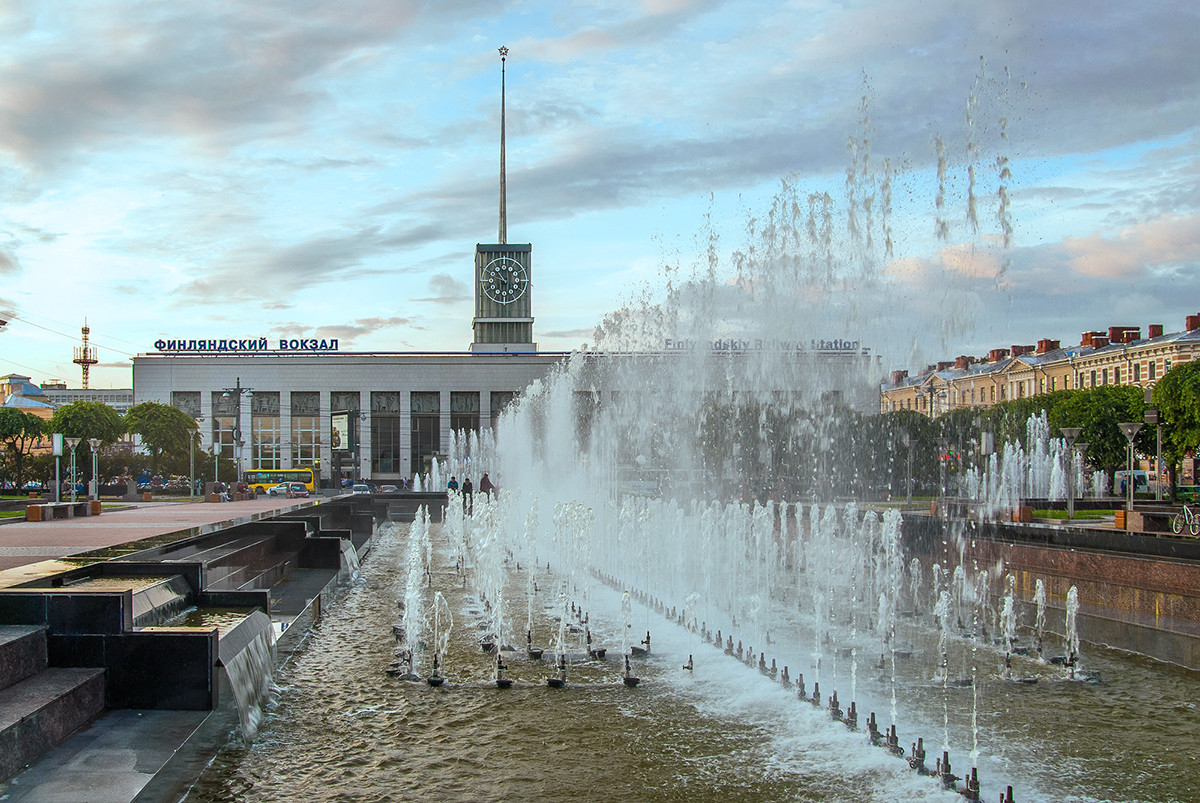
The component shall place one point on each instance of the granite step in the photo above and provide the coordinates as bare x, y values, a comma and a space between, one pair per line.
22, 653
41, 711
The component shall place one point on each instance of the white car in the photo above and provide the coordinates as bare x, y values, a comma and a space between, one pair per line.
278, 490
360, 488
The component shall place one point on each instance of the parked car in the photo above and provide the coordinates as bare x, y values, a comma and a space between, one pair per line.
279, 490
297, 490
388, 489
360, 488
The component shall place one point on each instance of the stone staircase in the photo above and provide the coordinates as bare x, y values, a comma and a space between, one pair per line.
40, 706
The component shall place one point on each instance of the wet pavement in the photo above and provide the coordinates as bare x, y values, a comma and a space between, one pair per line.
28, 542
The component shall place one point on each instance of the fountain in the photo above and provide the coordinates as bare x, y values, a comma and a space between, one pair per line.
710, 460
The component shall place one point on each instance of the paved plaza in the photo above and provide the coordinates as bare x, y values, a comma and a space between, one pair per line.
27, 542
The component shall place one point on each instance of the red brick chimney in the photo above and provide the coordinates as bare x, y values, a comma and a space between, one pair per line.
963, 362
1099, 341
1192, 323
996, 355
944, 364
1045, 346
1154, 330
898, 377
1088, 336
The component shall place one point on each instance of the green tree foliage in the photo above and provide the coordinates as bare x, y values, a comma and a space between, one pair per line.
1177, 396
84, 420
1097, 411
87, 419
19, 433
164, 430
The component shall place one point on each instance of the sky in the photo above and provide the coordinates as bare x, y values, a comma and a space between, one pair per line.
1021, 170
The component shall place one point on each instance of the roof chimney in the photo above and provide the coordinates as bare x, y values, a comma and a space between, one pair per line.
1155, 330
898, 377
1045, 346
963, 362
996, 355
1192, 323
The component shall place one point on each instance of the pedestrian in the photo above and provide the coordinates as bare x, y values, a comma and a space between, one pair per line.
453, 484
485, 485
467, 489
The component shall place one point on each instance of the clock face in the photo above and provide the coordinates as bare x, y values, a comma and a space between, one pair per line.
504, 280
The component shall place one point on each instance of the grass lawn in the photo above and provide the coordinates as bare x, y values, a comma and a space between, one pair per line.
1079, 514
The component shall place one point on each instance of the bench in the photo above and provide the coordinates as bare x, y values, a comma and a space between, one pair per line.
61, 510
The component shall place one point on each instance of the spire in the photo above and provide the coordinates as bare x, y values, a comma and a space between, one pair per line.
503, 190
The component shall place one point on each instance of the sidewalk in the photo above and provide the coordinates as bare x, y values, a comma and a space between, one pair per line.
23, 543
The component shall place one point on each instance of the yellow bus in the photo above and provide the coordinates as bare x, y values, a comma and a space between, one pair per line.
261, 481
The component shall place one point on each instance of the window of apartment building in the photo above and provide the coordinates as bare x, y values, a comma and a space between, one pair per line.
1104, 376
1151, 367
1093, 379
1137, 372
1117, 375
993, 392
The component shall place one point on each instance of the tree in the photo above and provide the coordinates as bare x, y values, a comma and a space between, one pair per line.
164, 429
1097, 411
19, 432
84, 420
1177, 396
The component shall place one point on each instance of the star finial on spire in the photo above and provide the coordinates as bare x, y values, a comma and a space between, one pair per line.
503, 51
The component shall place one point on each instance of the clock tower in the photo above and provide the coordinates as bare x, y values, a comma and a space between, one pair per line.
503, 309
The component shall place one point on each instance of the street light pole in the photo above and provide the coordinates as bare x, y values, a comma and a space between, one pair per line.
95, 444
1130, 432
71, 444
236, 391
192, 458
1070, 434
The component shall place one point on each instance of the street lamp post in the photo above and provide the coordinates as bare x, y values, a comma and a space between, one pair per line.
237, 392
95, 444
906, 437
71, 444
192, 458
1151, 418
1130, 432
1070, 435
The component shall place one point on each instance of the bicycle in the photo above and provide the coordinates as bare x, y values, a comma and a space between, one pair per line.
1188, 517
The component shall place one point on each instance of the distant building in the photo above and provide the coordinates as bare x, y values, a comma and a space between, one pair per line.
120, 399
19, 392
1120, 356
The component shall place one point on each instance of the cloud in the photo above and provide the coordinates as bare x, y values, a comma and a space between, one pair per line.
1169, 240
347, 333
446, 290
8, 262
571, 334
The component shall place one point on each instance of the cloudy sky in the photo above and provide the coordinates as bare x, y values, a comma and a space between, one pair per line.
1011, 171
